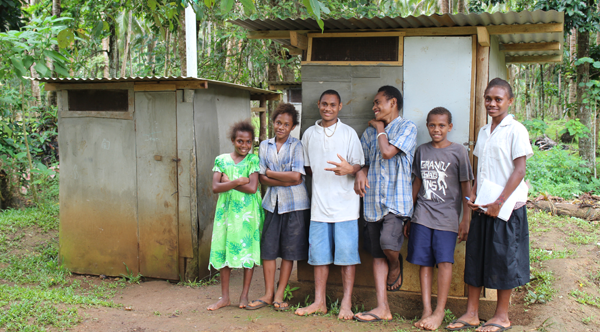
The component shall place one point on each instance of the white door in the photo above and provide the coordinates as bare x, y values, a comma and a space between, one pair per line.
437, 72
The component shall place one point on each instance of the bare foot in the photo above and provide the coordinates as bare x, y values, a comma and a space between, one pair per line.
433, 322
260, 301
394, 277
467, 318
381, 313
223, 302
243, 302
345, 313
426, 313
311, 309
489, 328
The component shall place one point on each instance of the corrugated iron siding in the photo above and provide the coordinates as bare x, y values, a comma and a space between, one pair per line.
380, 23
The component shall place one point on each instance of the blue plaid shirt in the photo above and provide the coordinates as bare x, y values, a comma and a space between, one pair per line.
289, 158
389, 179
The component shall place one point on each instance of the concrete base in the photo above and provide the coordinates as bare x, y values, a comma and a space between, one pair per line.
406, 304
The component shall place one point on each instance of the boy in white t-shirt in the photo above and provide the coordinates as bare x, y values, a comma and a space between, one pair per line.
333, 234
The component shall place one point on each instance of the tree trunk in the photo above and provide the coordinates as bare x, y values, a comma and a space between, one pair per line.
444, 6
152, 57
127, 42
461, 6
113, 53
584, 112
52, 94
542, 91
181, 44
105, 52
573, 54
167, 37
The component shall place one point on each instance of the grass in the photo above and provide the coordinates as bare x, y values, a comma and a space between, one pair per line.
36, 293
208, 281
539, 289
540, 255
584, 298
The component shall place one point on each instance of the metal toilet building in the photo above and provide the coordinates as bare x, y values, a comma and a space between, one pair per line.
438, 60
136, 158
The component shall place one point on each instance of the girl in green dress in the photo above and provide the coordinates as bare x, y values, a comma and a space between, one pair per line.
238, 216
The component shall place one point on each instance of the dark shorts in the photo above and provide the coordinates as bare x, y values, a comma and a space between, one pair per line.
429, 247
384, 234
498, 251
285, 235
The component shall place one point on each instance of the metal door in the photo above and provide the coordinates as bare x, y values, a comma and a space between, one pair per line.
156, 148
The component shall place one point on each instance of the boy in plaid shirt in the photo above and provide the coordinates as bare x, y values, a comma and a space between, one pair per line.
385, 185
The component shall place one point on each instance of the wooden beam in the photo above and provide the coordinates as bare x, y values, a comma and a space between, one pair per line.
193, 85
258, 109
525, 28
299, 40
552, 46
283, 34
267, 97
154, 87
483, 36
357, 34
293, 50
50, 87
481, 81
533, 59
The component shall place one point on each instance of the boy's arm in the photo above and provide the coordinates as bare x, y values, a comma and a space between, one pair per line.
416, 186
343, 167
387, 150
288, 176
250, 187
463, 228
361, 182
271, 182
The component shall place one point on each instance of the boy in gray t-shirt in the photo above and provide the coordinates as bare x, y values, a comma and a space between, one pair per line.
442, 180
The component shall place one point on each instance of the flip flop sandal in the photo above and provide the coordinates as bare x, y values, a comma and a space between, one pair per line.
377, 318
401, 275
261, 305
280, 306
501, 328
464, 327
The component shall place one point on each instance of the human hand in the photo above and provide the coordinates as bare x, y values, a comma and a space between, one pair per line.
361, 183
224, 178
294, 183
463, 230
342, 168
378, 125
242, 181
471, 203
407, 229
493, 209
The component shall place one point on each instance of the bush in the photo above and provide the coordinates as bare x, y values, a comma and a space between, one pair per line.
560, 172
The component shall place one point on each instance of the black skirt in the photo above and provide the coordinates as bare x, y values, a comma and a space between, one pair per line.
285, 235
498, 251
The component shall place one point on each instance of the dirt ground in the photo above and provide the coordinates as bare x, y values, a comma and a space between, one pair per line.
163, 306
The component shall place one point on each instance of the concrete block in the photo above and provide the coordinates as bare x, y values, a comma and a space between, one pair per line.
367, 71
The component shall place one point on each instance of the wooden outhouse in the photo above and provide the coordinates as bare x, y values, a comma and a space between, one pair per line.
438, 60
136, 158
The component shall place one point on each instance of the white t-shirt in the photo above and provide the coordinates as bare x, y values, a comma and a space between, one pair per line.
333, 196
497, 151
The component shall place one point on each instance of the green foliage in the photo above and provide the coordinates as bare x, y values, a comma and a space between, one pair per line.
288, 292
10, 14
130, 278
576, 129
535, 127
539, 289
581, 15
584, 298
559, 172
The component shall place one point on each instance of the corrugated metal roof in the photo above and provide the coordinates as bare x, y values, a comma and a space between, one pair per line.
75, 80
447, 20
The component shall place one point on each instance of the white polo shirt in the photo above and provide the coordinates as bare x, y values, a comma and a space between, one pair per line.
333, 196
497, 150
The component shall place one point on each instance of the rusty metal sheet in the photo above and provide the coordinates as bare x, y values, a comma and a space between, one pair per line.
185, 137
156, 147
98, 203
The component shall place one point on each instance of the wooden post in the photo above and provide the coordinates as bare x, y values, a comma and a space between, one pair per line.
263, 119
482, 79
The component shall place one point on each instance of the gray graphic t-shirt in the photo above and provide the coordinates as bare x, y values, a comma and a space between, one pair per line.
441, 170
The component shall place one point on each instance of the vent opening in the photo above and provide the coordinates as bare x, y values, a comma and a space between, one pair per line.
355, 49
99, 100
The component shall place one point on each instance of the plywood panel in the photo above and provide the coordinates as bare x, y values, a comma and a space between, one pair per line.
98, 204
156, 140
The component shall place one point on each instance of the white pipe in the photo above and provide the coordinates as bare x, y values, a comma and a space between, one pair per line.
191, 43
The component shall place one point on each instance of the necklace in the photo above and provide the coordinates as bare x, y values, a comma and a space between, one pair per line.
334, 129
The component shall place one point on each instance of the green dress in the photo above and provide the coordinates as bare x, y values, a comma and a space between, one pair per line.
239, 218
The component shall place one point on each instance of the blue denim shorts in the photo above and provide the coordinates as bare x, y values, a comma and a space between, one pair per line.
335, 243
429, 247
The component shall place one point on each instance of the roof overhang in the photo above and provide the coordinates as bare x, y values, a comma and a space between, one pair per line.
155, 83
524, 37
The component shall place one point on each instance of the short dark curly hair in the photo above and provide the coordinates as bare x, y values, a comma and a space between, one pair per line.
244, 125
440, 111
285, 108
392, 92
498, 82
